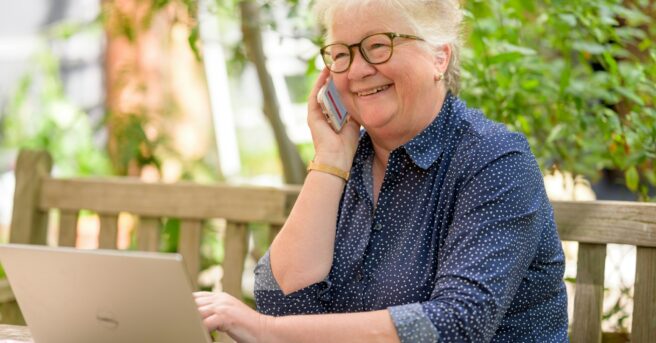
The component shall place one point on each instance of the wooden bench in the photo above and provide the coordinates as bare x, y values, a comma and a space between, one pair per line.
592, 224
37, 193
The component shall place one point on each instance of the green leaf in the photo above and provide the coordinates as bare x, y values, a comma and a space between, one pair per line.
569, 19
632, 178
555, 132
506, 57
631, 95
590, 47
194, 40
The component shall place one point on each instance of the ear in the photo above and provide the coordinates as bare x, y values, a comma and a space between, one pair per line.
442, 55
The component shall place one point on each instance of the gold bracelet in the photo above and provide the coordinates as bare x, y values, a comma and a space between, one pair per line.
328, 169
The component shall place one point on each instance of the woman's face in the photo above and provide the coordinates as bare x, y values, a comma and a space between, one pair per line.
396, 99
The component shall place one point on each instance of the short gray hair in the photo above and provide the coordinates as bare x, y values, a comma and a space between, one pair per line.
439, 22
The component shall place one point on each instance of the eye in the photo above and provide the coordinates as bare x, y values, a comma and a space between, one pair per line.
340, 56
378, 46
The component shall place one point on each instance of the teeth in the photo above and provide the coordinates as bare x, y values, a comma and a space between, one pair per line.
373, 91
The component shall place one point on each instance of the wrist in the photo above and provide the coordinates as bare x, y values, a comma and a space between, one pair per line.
266, 332
334, 160
328, 169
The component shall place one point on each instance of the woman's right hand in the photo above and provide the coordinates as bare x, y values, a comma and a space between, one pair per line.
331, 148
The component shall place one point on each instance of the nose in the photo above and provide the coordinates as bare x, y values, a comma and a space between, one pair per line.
359, 68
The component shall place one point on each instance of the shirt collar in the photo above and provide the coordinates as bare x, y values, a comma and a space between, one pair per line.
425, 148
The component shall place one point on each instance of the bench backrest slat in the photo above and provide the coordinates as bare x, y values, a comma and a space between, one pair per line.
235, 250
67, 228
108, 235
607, 222
148, 234
179, 200
189, 246
588, 299
644, 297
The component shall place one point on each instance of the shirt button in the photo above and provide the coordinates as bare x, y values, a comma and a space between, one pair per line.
378, 227
358, 276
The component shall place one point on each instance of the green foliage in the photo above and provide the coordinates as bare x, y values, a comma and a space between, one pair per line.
211, 245
576, 77
39, 116
170, 235
132, 143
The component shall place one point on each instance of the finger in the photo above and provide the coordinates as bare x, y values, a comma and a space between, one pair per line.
213, 322
204, 301
202, 293
206, 311
321, 80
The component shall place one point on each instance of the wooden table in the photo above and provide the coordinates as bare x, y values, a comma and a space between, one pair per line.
15, 333
9, 333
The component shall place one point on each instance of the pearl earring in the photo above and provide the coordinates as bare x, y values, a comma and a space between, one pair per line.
439, 77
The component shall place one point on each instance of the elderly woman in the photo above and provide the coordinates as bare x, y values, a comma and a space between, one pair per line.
441, 229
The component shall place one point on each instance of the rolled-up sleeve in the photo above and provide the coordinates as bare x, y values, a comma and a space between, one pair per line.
271, 300
497, 222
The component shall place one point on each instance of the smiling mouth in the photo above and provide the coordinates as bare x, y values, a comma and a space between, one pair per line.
374, 90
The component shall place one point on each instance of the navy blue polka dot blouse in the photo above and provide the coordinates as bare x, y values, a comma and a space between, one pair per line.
462, 246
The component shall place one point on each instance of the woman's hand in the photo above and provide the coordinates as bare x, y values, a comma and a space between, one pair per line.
331, 148
223, 312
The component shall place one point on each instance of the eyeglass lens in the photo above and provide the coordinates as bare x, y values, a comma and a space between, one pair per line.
375, 49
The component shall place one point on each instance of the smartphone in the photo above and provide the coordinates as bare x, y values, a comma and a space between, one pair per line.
332, 106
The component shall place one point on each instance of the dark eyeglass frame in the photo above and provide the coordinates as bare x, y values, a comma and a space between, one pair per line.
391, 35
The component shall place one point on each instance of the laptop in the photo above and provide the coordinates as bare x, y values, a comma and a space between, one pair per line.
69, 295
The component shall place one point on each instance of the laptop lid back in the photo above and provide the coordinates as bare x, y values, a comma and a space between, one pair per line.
69, 295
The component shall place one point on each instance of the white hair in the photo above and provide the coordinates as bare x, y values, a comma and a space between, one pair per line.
438, 22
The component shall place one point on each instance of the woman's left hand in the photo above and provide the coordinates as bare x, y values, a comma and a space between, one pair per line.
223, 312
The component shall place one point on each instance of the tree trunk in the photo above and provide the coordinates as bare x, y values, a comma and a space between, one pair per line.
293, 166
158, 110
127, 79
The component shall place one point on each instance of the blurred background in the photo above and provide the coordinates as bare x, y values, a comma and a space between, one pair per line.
215, 91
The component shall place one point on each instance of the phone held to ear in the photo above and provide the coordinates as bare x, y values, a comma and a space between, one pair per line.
332, 106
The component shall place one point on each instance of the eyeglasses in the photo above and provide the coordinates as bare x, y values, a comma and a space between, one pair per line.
375, 49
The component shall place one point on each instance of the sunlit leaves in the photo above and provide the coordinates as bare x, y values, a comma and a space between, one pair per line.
577, 77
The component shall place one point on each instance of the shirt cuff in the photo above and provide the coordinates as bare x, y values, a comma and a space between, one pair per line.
412, 324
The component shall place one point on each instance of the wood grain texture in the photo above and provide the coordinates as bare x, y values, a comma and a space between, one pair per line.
644, 298
15, 333
148, 234
605, 222
235, 248
108, 235
29, 223
589, 294
67, 228
180, 200
615, 337
189, 247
